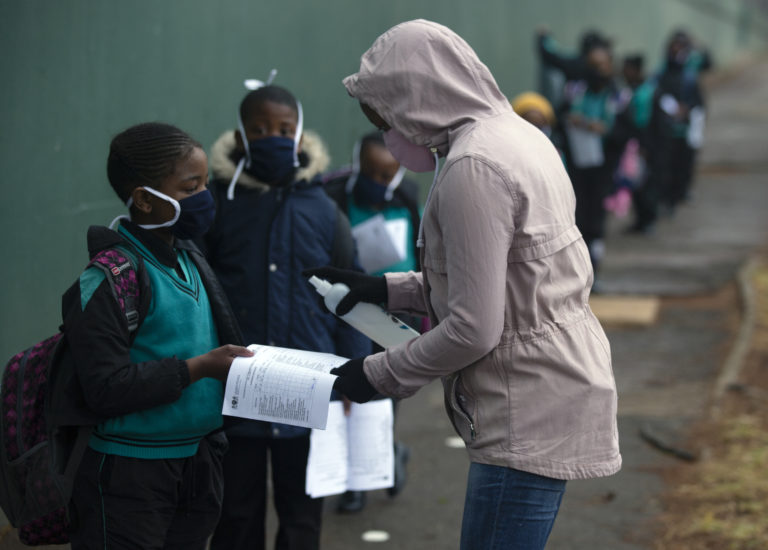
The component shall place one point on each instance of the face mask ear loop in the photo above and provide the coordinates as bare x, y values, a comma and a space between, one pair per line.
352, 180
238, 171
253, 84
128, 204
394, 184
299, 130
241, 129
174, 202
420, 240
117, 219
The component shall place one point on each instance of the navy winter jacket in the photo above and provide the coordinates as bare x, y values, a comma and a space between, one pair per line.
258, 246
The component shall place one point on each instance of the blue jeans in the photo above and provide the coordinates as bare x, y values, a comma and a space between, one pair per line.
508, 509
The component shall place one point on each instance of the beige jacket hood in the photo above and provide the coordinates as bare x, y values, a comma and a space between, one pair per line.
505, 278
425, 80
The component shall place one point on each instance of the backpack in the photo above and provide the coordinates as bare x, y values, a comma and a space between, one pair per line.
39, 456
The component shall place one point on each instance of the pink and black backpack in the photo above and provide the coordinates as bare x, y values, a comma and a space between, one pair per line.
35, 479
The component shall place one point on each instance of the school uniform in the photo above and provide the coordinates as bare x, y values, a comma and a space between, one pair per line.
151, 476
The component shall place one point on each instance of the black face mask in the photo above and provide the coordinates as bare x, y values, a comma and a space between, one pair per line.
596, 80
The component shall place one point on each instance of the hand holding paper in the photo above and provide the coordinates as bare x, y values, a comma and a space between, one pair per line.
353, 382
281, 385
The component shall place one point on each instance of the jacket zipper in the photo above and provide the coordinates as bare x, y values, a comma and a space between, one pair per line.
279, 201
459, 409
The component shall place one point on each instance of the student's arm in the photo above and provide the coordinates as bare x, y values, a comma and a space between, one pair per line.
97, 333
474, 209
571, 66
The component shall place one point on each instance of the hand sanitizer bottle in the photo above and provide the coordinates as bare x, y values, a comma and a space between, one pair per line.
370, 319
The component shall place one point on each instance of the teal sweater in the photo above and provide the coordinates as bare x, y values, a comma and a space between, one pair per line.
179, 323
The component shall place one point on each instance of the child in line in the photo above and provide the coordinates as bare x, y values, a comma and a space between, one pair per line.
535, 108
376, 186
151, 478
591, 112
273, 220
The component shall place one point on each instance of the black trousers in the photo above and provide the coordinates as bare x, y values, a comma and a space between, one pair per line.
591, 186
678, 172
242, 524
121, 503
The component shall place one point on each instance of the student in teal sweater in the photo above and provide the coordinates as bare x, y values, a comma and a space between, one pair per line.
151, 477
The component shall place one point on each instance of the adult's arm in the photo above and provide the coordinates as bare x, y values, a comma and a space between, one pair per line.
474, 206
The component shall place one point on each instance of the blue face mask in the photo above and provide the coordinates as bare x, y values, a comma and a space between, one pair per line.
369, 192
194, 215
265, 159
197, 213
271, 160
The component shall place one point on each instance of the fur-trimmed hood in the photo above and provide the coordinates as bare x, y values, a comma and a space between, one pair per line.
223, 167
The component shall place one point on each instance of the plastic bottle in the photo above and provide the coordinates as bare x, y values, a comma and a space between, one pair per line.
370, 319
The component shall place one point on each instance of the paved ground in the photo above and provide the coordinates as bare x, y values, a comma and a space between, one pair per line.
664, 370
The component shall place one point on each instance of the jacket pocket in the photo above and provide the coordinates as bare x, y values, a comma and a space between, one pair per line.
463, 410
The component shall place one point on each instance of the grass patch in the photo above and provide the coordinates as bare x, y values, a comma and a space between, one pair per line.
721, 503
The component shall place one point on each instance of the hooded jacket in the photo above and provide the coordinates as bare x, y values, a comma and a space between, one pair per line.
258, 246
505, 274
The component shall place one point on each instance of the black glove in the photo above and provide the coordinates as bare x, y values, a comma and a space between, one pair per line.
352, 381
362, 287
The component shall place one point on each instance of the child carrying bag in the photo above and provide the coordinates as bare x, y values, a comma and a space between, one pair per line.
40, 450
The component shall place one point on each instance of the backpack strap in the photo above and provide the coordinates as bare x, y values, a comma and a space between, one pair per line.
119, 269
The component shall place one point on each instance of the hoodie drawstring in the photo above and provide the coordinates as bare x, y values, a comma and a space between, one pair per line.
420, 240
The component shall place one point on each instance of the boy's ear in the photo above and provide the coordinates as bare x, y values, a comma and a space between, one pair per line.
239, 146
141, 200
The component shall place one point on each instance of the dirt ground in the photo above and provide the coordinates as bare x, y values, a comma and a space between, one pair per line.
720, 501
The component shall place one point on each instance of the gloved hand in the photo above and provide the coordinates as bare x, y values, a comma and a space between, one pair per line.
362, 287
352, 381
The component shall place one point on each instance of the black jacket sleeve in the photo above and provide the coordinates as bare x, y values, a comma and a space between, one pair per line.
111, 384
573, 67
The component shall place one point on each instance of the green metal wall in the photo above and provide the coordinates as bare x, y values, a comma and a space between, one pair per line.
74, 72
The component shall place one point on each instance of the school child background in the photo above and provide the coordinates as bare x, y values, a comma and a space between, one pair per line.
74, 72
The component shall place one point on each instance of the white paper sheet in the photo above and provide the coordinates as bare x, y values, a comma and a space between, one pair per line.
281, 385
398, 232
355, 452
586, 147
376, 248
669, 104
327, 463
371, 446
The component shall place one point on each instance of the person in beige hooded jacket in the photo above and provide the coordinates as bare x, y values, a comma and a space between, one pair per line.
505, 280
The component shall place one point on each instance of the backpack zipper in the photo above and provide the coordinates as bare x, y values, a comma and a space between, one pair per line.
20, 401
